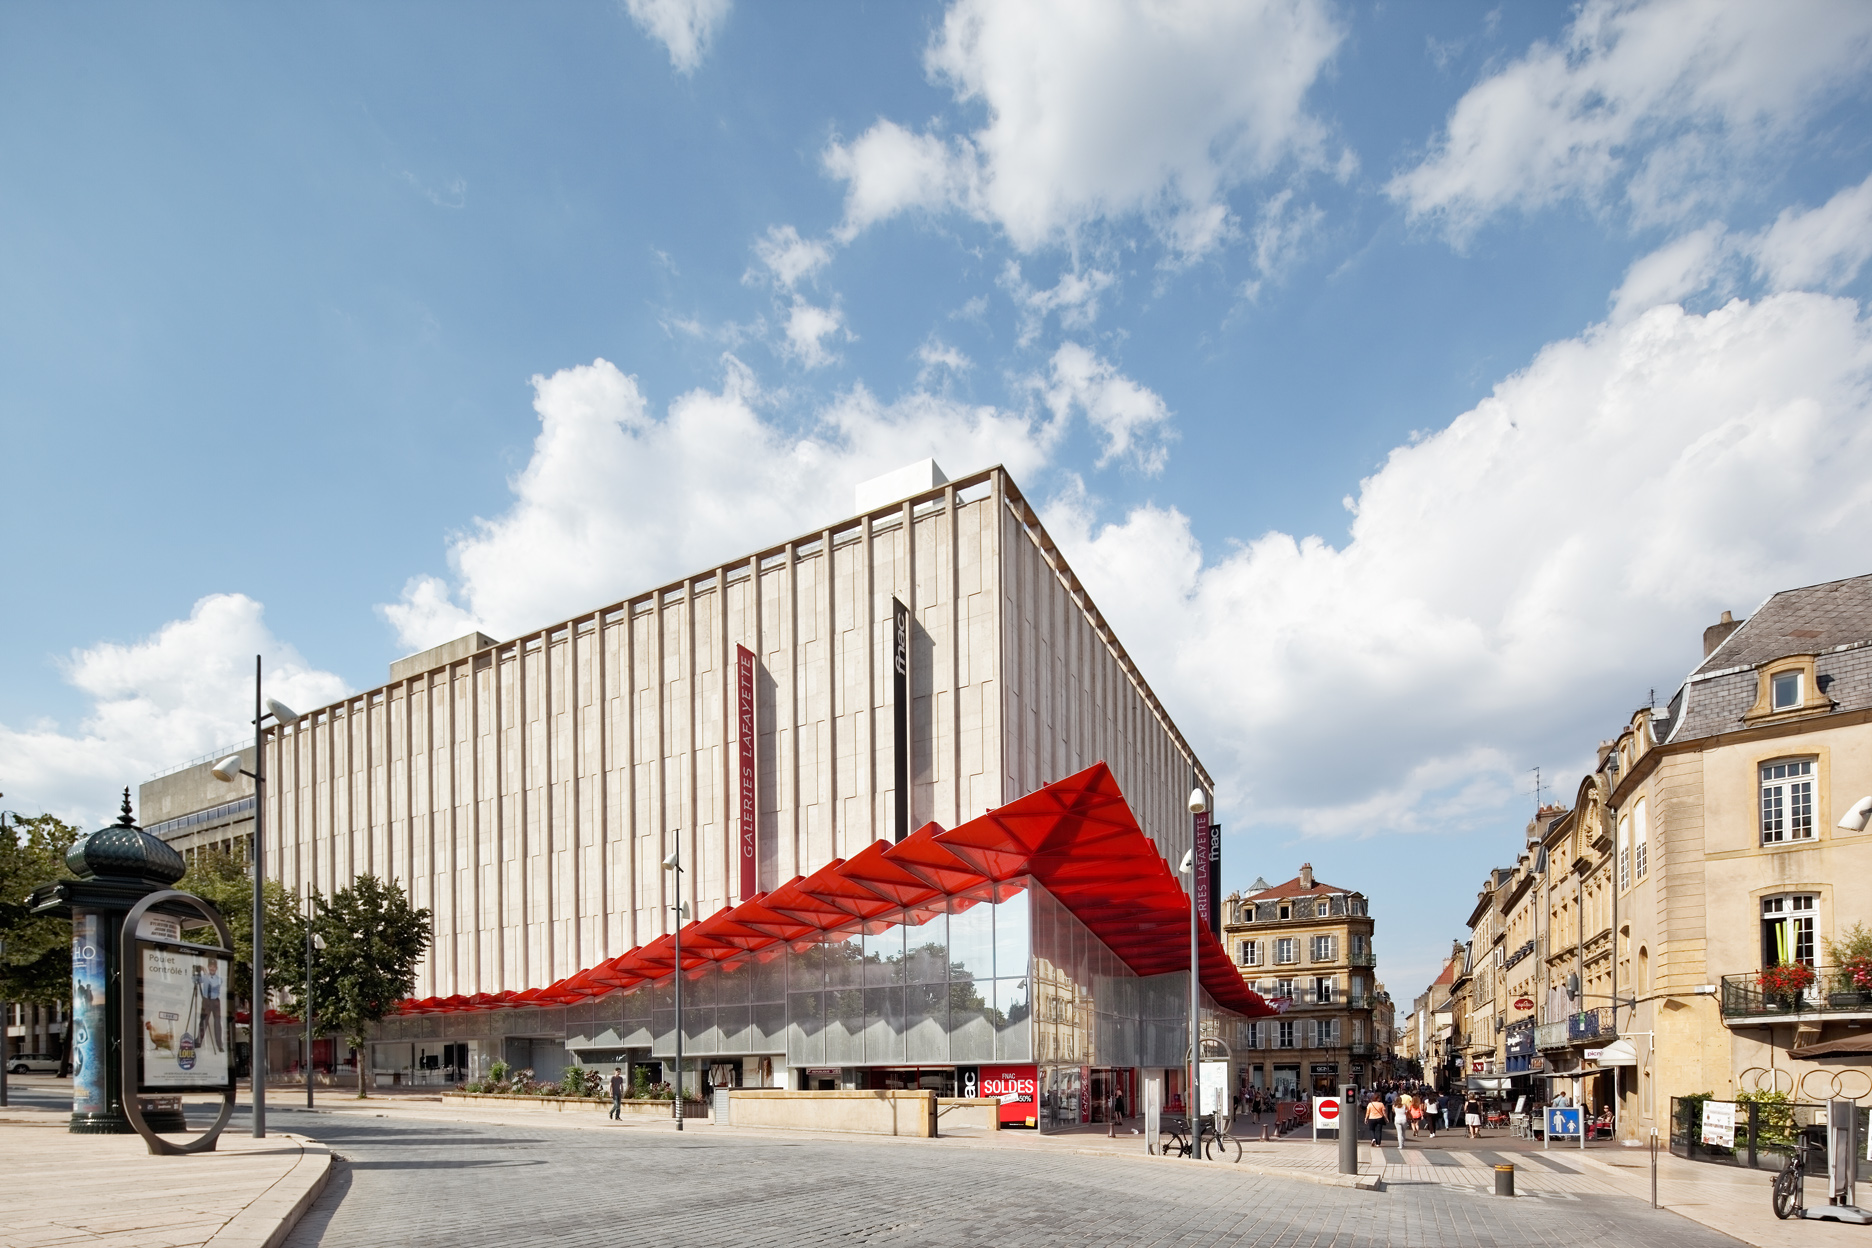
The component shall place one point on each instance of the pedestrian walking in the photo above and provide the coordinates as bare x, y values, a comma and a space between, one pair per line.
617, 1093
1400, 1110
1433, 1105
1375, 1119
1472, 1116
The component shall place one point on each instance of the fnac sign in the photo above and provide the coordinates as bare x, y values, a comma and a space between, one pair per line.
1018, 1090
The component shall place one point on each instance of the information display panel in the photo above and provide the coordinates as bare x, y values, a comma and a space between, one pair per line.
183, 1024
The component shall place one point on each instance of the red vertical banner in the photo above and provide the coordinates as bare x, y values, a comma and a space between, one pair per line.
1200, 894
750, 819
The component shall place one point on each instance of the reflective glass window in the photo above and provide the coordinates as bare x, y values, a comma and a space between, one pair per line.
883, 957
971, 1026
844, 1027
884, 1025
971, 943
844, 961
926, 952
805, 1031
1011, 936
1013, 1032
926, 1023
769, 978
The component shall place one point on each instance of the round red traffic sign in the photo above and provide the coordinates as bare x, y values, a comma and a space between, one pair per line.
1329, 1110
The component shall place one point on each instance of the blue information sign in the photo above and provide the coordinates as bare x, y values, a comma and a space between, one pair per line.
1563, 1122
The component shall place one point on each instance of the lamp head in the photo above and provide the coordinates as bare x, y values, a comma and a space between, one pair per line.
674, 861
1855, 820
1199, 802
280, 711
318, 941
228, 770
1189, 859
682, 911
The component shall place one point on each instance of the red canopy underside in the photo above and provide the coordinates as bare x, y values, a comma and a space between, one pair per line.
1077, 837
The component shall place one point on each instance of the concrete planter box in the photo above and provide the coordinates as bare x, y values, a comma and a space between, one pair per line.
574, 1104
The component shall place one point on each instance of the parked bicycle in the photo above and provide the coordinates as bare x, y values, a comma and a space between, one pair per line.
1790, 1186
1217, 1142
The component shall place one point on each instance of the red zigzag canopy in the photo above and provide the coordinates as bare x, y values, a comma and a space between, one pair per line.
1077, 837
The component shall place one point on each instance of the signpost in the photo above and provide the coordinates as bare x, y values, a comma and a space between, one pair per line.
1564, 1121
1327, 1113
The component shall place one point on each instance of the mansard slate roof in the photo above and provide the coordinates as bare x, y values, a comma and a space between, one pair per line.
1810, 620
1832, 621
1076, 837
1293, 888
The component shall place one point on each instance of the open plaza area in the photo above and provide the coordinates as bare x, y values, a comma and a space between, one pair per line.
407, 1171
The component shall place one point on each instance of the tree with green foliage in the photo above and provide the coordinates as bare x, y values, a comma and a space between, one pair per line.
37, 964
224, 880
373, 940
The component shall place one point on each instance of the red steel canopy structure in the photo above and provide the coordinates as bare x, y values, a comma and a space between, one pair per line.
1076, 837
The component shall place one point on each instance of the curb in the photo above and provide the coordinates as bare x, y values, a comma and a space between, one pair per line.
271, 1216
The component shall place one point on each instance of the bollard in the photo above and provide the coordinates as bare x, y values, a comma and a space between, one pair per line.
1654, 1148
1348, 1135
1504, 1180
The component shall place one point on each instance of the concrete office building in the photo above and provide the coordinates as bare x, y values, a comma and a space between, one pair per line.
930, 659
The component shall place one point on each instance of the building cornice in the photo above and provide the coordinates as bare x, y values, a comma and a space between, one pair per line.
1652, 758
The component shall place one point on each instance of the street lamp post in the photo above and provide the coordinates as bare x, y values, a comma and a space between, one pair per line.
227, 771
674, 863
9, 826
313, 940
1198, 804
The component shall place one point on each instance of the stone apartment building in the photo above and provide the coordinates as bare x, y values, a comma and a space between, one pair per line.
1622, 957
1306, 946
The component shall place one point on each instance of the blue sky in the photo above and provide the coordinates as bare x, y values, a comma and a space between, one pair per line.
1443, 368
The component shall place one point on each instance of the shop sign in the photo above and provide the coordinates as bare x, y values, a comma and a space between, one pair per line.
1592, 1055
1199, 871
1018, 1090
900, 714
1524, 1003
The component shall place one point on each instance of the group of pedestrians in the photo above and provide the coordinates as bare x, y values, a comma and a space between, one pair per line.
1411, 1109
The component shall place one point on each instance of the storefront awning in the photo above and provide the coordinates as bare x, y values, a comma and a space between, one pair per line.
1076, 837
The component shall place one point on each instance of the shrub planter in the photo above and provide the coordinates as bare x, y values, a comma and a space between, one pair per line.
574, 1104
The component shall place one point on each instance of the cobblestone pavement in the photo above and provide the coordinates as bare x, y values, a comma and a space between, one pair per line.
407, 1180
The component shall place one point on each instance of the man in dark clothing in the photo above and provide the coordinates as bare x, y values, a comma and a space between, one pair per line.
617, 1093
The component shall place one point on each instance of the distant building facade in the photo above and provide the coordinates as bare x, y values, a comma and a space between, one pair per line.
1306, 946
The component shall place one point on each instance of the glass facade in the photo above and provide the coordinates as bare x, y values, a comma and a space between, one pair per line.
1014, 980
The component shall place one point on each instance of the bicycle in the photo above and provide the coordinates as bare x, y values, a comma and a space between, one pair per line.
1172, 1136
1217, 1144
1790, 1186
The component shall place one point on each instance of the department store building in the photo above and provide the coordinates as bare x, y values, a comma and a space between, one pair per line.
926, 808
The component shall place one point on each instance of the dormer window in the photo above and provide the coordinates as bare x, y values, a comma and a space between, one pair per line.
1286, 911
1787, 690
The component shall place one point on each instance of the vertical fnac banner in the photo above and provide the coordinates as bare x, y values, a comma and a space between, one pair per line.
90, 1095
900, 712
1199, 875
744, 724
1215, 880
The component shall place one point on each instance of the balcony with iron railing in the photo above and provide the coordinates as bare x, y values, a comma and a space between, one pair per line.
1576, 1028
1829, 991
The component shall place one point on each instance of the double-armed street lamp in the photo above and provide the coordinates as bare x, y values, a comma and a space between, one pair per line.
1198, 804
674, 863
228, 770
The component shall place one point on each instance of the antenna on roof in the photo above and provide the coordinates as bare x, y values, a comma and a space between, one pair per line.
1537, 789
1654, 699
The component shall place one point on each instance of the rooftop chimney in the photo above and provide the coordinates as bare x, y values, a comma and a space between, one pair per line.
1718, 633
1306, 876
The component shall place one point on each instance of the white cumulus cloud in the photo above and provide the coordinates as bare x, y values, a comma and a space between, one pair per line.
1103, 109
807, 328
1664, 104
1513, 584
685, 27
617, 499
163, 699
788, 258
1822, 248
1132, 420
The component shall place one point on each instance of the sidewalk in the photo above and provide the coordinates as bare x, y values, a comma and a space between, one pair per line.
106, 1190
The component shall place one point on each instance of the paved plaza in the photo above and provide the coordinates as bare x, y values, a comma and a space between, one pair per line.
409, 1180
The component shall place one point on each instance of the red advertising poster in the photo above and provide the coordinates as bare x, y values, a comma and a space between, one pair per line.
1018, 1090
744, 721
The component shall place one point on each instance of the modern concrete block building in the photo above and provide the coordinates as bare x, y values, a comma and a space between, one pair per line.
929, 659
